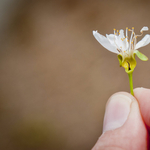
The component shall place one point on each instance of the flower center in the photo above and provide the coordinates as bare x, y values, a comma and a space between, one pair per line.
124, 43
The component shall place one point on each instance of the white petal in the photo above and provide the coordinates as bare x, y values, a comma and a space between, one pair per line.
104, 42
116, 40
143, 42
121, 43
144, 29
111, 38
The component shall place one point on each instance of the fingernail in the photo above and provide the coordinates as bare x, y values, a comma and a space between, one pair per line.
117, 111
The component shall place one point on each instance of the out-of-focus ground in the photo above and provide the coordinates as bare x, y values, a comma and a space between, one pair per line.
55, 78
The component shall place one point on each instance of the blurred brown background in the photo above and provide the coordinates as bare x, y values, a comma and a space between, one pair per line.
55, 78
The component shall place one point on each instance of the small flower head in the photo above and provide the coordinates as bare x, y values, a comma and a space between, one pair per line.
126, 47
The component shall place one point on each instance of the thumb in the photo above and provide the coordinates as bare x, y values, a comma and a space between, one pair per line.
123, 127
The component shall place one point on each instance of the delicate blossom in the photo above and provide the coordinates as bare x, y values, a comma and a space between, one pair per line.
125, 47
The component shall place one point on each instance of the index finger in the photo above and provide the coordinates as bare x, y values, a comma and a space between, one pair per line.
143, 97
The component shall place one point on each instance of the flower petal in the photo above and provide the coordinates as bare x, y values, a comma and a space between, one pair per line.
144, 29
121, 43
105, 42
118, 41
143, 42
124, 41
111, 38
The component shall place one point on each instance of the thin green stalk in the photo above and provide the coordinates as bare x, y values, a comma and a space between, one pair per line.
131, 83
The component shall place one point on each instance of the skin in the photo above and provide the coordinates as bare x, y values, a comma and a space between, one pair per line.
134, 133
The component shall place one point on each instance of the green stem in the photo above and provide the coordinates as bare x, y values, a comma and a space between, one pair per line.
131, 83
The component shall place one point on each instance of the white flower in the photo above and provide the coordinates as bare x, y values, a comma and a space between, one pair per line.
125, 47
119, 43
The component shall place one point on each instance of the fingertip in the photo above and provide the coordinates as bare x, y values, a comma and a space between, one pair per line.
124, 94
143, 97
141, 92
117, 111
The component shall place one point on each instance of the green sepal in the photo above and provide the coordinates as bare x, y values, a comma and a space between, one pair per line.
129, 63
120, 59
140, 55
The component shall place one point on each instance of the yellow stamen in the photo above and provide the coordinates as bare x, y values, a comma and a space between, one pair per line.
115, 29
132, 27
126, 27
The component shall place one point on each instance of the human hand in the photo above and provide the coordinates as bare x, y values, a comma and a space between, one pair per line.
126, 122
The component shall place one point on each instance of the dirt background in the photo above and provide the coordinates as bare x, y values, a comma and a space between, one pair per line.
55, 78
